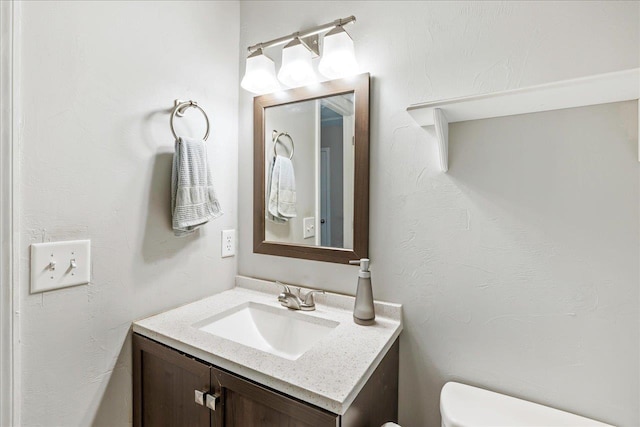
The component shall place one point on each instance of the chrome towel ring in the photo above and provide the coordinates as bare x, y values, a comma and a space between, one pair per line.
275, 136
180, 107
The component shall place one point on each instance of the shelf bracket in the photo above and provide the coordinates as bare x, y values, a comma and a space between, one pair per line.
442, 135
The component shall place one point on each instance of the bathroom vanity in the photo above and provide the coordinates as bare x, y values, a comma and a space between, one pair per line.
238, 358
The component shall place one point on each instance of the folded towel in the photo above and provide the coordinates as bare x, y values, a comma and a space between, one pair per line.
193, 199
282, 191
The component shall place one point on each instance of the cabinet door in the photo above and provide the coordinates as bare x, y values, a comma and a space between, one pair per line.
249, 404
164, 385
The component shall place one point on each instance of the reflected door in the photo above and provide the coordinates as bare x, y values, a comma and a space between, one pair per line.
325, 197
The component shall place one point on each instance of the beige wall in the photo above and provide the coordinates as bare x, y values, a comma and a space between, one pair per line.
97, 82
518, 270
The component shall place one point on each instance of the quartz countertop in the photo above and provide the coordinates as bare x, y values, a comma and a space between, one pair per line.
329, 375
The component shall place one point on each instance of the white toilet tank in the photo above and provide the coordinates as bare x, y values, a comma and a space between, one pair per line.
465, 406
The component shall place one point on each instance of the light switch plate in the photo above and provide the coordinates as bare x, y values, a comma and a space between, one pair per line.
56, 265
309, 227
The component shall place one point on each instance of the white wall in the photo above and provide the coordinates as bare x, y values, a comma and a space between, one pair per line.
518, 270
98, 80
299, 120
7, 160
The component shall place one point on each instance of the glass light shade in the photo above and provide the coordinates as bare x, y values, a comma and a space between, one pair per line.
338, 55
260, 74
296, 69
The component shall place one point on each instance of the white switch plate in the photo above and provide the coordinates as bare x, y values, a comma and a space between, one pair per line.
52, 264
228, 243
309, 227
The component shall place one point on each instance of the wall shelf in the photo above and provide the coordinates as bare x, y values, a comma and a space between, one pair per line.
598, 89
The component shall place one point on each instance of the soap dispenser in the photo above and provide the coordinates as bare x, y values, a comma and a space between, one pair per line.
363, 311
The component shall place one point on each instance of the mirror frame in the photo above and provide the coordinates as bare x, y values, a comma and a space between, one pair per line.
359, 86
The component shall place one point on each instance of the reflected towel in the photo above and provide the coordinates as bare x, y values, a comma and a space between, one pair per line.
281, 201
193, 199
270, 217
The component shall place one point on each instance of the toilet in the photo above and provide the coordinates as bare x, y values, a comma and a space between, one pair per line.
466, 406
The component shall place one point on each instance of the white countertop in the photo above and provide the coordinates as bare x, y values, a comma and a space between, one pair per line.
329, 375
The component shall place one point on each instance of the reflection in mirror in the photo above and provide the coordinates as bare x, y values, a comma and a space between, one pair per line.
309, 156
311, 171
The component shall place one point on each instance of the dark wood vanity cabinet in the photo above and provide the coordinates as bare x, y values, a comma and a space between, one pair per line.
165, 382
163, 386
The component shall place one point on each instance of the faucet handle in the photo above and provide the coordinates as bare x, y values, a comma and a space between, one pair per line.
285, 288
307, 299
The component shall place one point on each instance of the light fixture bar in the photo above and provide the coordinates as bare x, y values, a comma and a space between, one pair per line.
302, 34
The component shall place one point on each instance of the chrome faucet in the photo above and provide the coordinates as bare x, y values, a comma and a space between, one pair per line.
295, 300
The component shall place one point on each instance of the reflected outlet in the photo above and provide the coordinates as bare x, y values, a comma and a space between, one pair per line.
309, 227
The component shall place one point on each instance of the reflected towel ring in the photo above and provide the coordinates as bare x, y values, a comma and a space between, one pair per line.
276, 135
180, 108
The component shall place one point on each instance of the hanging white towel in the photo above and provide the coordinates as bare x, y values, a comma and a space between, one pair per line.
193, 199
282, 191
270, 217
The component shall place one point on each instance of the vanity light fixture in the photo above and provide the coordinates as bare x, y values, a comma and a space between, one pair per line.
338, 55
260, 74
297, 69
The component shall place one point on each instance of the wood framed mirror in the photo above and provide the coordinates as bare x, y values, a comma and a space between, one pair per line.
311, 171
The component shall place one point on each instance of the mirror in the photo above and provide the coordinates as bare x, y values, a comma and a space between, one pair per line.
311, 171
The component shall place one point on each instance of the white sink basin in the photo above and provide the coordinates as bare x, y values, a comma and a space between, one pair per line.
282, 332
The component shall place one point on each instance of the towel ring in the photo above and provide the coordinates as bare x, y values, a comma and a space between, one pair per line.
276, 135
180, 108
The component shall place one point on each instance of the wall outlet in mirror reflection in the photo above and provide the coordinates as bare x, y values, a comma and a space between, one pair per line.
309, 227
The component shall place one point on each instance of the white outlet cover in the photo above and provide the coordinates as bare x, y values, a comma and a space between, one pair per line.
228, 243
52, 264
309, 227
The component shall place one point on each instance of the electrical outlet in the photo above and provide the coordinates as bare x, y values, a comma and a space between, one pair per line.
308, 227
228, 243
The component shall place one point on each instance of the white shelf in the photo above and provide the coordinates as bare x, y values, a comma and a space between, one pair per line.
599, 89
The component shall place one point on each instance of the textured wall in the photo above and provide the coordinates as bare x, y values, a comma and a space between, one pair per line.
97, 82
518, 270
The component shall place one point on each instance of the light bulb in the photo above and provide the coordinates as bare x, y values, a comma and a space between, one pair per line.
260, 74
338, 55
296, 67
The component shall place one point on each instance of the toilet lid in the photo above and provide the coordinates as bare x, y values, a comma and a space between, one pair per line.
465, 406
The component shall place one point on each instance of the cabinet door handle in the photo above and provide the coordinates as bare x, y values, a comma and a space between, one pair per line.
203, 398
200, 397
212, 400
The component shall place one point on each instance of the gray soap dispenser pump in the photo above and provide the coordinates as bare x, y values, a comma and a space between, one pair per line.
363, 311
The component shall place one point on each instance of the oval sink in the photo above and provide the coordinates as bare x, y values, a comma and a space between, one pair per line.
281, 332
